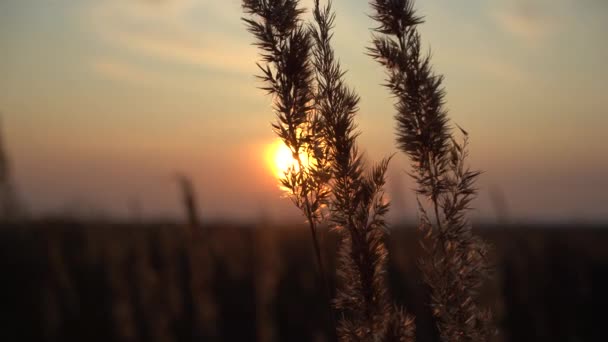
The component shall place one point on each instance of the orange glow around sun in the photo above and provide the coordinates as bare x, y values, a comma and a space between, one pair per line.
280, 159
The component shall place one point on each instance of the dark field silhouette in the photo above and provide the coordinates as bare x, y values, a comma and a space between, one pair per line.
68, 281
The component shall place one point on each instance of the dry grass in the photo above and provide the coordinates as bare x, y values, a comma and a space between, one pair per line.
100, 282
10, 208
456, 265
316, 116
357, 204
285, 44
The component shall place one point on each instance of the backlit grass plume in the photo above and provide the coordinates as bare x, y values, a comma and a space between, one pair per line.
456, 266
358, 207
285, 44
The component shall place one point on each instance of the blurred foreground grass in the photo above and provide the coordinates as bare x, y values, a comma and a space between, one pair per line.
67, 281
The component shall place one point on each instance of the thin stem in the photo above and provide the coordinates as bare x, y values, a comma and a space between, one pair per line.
434, 173
323, 274
313, 231
437, 219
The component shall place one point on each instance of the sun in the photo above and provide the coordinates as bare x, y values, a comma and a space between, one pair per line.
280, 158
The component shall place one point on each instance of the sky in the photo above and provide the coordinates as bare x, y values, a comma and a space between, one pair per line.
104, 102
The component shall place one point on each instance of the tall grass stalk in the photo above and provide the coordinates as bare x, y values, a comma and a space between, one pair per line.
9, 205
358, 207
285, 44
456, 265
189, 201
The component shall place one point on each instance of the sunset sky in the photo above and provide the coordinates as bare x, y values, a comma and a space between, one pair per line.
104, 101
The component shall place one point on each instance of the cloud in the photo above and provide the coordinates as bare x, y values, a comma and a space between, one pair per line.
215, 52
527, 20
178, 32
124, 72
116, 70
526, 27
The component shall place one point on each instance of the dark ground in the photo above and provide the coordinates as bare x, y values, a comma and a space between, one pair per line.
94, 282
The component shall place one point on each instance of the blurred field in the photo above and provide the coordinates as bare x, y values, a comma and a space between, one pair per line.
94, 282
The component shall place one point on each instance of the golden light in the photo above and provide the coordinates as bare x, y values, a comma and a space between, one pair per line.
280, 159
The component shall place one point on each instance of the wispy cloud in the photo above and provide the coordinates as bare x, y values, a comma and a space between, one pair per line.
120, 71
170, 32
132, 74
528, 20
530, 28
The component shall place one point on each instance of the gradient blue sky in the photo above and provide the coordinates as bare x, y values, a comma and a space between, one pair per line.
103, 101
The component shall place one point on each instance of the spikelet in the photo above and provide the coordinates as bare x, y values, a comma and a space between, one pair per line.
358, 207
456, 265
287, 74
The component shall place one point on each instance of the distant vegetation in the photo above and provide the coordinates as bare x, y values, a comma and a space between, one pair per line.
152, 282
10, 209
